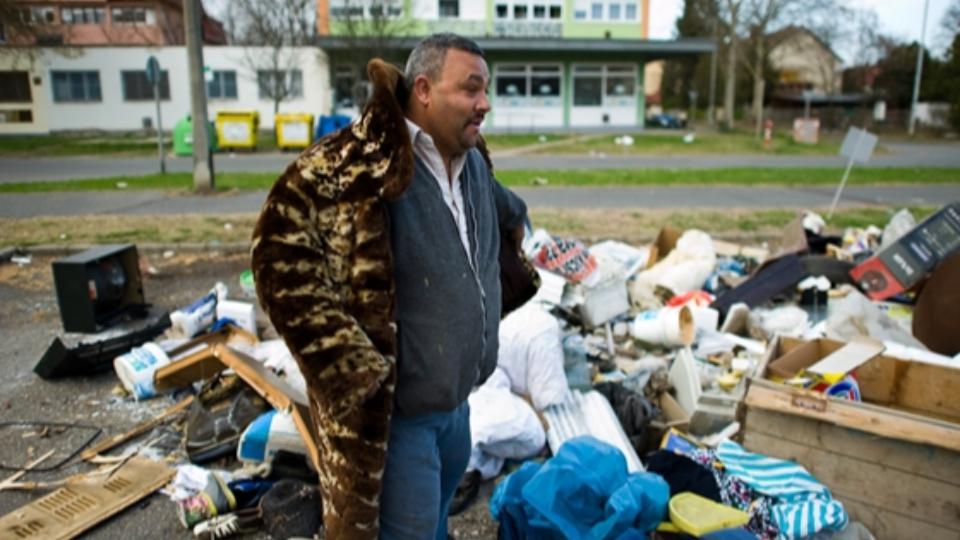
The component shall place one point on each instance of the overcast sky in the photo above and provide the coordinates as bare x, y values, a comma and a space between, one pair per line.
900, 18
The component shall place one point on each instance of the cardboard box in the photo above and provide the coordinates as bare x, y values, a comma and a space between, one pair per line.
893, 459
904, 263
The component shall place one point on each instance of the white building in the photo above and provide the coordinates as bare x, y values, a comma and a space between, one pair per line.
106, 88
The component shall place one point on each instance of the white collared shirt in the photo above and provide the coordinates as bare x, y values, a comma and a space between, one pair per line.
426, 150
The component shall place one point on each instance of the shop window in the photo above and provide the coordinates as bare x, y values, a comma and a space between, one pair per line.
545, 81
587, 91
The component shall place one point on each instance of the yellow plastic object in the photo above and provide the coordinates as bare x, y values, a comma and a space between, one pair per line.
237, 129
294, 130
698, 515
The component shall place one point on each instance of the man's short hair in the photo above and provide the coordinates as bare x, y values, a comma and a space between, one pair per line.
427, 57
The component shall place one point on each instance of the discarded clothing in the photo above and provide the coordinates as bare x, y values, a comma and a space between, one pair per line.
582, 492
531, 356
684, 474
567, 257
502, 426
803, 506
633, 411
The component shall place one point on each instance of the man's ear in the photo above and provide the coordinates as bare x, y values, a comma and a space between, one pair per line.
421, 90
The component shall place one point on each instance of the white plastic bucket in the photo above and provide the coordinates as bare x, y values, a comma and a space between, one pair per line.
668, 326
136, 368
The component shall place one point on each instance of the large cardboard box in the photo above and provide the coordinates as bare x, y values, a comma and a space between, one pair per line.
904, 263
892, 459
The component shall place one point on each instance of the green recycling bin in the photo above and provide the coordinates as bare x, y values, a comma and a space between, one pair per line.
183, 137
237, 129
294, 130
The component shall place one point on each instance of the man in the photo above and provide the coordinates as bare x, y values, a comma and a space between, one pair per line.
376, 258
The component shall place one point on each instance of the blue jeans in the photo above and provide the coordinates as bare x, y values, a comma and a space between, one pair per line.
426, 458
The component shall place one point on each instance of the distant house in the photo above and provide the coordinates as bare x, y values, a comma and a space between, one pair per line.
803, 62
80, 23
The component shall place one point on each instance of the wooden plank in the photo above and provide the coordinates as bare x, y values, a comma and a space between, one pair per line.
886, 525
85, 501
925, 499
883, 421
139, 429
931, 389
916, 459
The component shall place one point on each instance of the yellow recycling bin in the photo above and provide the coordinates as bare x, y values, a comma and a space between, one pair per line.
237, 129
294, 130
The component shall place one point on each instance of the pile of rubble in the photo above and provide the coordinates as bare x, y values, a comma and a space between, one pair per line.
689, 387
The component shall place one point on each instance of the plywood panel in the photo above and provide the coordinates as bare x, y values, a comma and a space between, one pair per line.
925, 499
915, 459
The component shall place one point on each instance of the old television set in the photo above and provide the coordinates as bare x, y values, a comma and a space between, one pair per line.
98, 287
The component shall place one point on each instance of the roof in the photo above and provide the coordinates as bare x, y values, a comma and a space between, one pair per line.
783, 34
651, 48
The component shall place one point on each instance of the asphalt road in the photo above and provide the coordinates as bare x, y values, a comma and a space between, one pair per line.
158, 202
901, 155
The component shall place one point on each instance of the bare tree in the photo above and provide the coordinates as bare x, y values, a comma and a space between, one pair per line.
949, 25
760, 15
270, 31
728, 15
369, 29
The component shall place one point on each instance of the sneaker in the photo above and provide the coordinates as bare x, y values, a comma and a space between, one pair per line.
217, 527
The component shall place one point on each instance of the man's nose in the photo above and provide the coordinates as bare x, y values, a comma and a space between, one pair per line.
484, 104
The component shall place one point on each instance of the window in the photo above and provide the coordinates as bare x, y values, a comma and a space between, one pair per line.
511, 81
539, 12
15, 87
614, 12
630, 11
280, 84
222, 85
133, 15
596, 11
502, 11
343, 80
610, 85
449, 8
17, 116
580, 14
555, 12
376, 9
136, 87
519, 12
528, 81
75, 86
81, 15
37, 15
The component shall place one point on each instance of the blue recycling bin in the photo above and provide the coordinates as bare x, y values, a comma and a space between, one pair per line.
329, 124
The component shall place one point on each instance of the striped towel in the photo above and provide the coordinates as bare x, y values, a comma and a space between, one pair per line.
803, 505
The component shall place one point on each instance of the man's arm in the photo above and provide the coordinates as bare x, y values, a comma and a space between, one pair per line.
295, 261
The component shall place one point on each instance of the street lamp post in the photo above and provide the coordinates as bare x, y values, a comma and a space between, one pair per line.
919, 72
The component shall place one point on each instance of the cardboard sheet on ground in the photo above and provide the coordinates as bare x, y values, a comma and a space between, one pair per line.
279, 394
84, 501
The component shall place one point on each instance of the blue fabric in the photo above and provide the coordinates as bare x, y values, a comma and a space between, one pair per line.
803, 505
427, 455
582, 492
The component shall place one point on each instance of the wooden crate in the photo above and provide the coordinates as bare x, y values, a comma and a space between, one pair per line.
893, 460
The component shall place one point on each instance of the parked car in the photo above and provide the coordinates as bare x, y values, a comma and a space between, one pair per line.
668, 121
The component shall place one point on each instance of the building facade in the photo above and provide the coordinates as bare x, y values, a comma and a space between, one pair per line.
106, 87
555, 64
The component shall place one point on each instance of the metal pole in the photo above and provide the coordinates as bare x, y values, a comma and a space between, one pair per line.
156, 97
846, 174
711, 107
919, 71
203, 179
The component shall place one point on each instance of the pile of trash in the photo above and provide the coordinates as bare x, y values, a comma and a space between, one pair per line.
616, 410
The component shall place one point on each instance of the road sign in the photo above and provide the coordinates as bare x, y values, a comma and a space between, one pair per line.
153, 70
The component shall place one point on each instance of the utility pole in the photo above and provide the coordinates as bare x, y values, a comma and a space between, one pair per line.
202, 159
919, 72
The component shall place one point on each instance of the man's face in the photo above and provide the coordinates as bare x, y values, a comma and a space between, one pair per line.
458, 102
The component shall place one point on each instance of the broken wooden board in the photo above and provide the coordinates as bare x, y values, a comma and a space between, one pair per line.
896, 488
280, 395
85, 501
854, 354
139, 429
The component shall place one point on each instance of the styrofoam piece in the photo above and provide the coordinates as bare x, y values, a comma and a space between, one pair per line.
551, 288
589, 413
604, 301
685, 380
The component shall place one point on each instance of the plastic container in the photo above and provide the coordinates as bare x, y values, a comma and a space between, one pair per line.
294, 130
135, 369
271, 432
697, 516
189, 321
330, 124
237, 129
242, 313
183, 137
667, 326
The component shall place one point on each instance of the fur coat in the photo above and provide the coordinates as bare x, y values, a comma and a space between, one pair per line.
322, 263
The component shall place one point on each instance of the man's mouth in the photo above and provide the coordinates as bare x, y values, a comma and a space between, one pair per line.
475, 121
